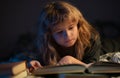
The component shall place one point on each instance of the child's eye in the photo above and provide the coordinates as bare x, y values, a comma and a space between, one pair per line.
59, 32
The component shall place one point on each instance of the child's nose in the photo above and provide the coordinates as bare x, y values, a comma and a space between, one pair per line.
66, 34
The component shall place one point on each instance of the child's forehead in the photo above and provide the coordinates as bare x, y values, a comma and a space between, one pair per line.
65, 23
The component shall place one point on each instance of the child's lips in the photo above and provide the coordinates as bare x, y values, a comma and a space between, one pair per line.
68, 41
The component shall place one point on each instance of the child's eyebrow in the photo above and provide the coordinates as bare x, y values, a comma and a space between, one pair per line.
56, 29
60, 28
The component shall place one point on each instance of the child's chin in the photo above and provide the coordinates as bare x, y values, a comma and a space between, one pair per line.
67, 46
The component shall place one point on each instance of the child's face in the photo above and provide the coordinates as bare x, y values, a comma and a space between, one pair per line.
66, 33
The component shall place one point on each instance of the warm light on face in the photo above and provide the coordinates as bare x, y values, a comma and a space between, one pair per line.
66, 33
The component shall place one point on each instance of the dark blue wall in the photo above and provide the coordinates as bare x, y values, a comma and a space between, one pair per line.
20, 16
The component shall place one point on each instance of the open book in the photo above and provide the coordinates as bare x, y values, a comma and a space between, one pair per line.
12, 69
100, 67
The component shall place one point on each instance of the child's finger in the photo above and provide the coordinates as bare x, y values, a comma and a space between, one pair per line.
31, 69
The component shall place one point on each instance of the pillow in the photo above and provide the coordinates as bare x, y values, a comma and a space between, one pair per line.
111, 57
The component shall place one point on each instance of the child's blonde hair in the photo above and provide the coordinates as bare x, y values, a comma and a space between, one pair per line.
57, 12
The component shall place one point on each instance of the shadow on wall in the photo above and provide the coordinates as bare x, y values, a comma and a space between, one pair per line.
107, 29
25, 43
110, 36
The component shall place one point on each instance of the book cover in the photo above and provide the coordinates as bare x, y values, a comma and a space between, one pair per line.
83, 76
11, 69
23, 74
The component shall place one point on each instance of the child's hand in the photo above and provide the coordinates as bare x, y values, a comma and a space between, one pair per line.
34, 65
70, 60
88, 65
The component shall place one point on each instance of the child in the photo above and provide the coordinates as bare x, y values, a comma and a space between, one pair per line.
65, 37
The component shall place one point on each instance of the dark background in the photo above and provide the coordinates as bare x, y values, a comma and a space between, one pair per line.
19, 17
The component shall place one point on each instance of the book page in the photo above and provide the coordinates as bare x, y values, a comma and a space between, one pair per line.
105, 67
71, 68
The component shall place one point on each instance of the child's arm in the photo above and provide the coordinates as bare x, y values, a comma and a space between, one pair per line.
71, 60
